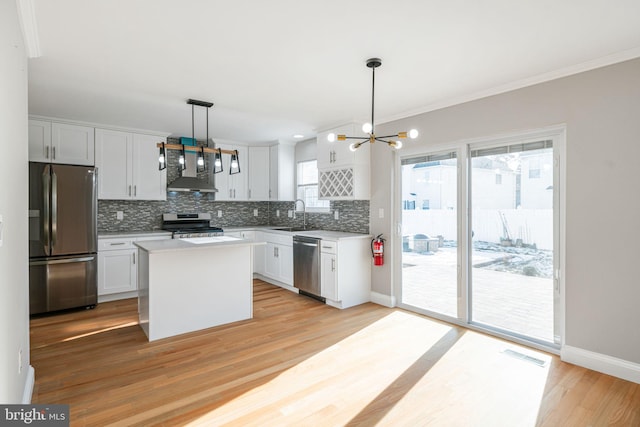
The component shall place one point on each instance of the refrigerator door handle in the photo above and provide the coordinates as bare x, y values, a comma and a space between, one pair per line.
63, 261
54, 208
46, 183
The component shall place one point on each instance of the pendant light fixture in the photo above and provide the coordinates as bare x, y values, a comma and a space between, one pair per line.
369, 128
200, 164
182, 159
234, 166
162, 159
217, 161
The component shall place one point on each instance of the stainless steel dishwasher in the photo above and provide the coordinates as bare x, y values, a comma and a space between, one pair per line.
306, 266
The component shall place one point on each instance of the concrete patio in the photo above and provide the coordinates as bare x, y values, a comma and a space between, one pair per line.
514, 302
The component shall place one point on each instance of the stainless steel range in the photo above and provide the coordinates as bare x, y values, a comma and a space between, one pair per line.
190, 225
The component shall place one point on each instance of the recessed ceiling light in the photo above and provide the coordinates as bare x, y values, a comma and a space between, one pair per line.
298, 136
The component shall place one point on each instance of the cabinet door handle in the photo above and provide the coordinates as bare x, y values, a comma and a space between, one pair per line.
135, 190
46, 155
249, 193
333, 264
134, 258
54, 152
234, 193
129, 190
269, 193
229, 193
116, 244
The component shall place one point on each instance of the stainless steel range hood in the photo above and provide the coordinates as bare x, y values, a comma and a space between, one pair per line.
189, 180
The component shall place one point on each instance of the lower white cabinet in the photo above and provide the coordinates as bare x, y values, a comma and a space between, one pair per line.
345, 272
278, 258
118, 267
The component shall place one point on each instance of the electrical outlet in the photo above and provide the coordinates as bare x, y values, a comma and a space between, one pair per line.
278, 212
119, 215
381, 213
336, 215
219, 214
255, 212
290, 213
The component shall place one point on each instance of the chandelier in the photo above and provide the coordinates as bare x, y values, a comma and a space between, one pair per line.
369, 128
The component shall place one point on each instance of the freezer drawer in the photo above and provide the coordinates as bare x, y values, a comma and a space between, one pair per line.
61, 283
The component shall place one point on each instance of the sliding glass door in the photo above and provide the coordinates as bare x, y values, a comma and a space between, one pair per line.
430, 233
512, 252
481, 237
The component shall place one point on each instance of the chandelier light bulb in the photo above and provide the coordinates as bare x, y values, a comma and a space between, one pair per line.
413, 133
218, 163
397, 145
200, 161
161, 158
331, 137
181, 160
353, 146
234, 164
367, 128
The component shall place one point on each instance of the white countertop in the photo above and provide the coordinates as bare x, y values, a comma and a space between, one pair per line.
320, 234
154, 246
331, 235
132, 234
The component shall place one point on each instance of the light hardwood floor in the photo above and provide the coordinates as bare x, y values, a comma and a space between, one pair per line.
302, 363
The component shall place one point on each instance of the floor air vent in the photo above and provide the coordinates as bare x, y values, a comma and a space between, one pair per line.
524, 357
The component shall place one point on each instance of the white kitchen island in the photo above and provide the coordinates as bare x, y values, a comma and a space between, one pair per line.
186, 285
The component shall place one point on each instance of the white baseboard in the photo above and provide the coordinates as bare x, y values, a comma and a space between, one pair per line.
115, 297
382, 299
602, 363
28, 386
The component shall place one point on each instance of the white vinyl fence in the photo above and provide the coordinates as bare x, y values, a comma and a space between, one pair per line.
532, 226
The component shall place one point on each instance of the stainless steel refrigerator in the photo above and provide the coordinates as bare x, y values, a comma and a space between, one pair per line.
62, 237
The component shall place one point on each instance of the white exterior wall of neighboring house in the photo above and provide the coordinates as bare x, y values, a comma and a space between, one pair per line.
536, 181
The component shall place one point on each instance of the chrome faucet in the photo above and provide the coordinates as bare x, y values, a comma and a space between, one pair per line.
304, 212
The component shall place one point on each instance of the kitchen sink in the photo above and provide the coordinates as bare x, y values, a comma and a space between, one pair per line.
292, 229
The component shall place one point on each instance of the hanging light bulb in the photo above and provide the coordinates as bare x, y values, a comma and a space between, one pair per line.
234, 166
331, 137
413, 133
217, 161
201, 164
182, 158
367, 128
162, 161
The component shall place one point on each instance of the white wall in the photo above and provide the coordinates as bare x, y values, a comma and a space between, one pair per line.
14, 273
600, 109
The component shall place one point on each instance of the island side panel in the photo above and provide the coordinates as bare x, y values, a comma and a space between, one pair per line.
190, 290
143, 290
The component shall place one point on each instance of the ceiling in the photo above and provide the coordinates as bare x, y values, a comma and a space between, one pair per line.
283, 67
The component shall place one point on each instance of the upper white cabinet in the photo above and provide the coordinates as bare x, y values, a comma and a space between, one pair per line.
281, 172
61, 143
343, 174
337, 153
232, 187
128, 166
258, 173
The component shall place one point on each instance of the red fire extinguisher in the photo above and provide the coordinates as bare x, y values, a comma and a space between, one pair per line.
377, 250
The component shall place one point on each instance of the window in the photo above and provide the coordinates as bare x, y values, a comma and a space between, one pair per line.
308, 187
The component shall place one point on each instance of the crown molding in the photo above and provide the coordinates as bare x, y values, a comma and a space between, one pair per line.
603, 61
29, 27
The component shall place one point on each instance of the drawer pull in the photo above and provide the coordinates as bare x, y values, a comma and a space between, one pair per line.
117, 244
